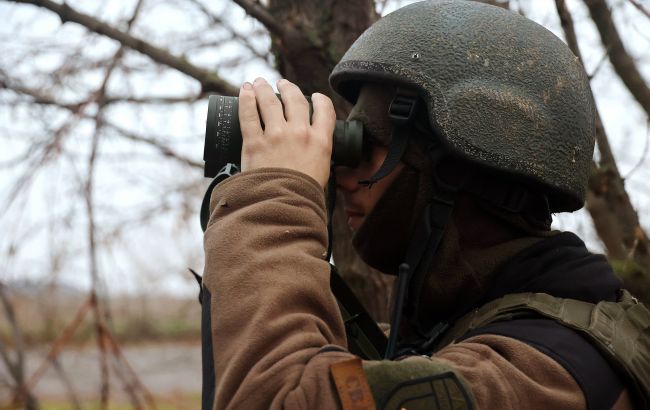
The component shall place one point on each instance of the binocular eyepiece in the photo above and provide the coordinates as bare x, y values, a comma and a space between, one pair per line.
223, 140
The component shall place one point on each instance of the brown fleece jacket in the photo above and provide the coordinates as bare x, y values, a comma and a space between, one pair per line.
272, 310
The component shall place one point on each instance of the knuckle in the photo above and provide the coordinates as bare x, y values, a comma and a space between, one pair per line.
273, 132
301, 130
272, 100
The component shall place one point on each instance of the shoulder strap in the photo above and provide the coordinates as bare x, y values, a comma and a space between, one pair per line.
620, 330
364, 337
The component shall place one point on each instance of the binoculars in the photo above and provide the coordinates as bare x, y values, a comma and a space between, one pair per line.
223, 139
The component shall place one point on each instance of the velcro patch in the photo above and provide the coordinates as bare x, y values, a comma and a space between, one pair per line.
352, 385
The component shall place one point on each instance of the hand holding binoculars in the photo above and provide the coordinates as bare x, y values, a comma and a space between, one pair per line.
223, 140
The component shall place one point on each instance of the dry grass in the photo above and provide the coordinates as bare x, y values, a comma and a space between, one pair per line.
43, 314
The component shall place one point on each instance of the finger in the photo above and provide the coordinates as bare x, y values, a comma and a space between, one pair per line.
269, 105
249, 118
296, 107
324, 118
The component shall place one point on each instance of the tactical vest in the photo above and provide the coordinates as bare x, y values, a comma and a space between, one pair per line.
619, 330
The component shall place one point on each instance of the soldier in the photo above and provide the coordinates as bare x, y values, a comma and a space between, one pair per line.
479, 124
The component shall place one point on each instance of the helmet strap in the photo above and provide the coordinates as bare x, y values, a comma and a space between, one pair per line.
402, 113
422, 249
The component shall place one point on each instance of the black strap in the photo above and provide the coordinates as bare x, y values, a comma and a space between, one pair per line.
365, 338
227, 171
331, 204
423, 246
209, 379
402, 114
396, 150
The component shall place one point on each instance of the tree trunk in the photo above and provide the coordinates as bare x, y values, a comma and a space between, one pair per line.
314, 36
614, 217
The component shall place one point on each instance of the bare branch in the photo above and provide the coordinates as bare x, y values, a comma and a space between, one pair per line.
599, 65
57, 346
38, 97
623, 63
209, 81
164, 149
16, 368
608, 203
72, 394
260, 13
183, 99
245, 41
640, 7
567, 26
41, 98
644, 152
606, 155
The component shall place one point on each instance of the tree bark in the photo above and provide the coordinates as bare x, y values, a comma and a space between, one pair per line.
608, 203
314, 36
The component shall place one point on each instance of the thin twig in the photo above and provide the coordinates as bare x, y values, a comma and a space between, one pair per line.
598, 65
209, 80
40, 98
72, 395
57, 345
162, 148
644, 152
244, 40
605, 149
90, 211
117, 352
621, 60
22, 392
183, 99
640, 7
261, 14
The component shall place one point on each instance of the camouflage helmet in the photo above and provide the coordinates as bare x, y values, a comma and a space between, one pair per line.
502, 90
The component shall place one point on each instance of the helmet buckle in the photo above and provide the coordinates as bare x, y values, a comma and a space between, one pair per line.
402, 108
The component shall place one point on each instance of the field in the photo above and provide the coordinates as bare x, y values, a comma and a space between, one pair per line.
158, 336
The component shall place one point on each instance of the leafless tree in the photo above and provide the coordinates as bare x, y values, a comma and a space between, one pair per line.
81, 100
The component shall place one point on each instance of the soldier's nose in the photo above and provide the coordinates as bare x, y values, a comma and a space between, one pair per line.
347, 178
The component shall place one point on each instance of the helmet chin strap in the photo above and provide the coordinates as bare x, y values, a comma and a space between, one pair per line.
402, 114
402, 111
423, 246
431, 225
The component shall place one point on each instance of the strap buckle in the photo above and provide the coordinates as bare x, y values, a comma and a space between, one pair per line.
402, 108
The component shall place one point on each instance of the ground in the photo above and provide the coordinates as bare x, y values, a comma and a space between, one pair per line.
171, 371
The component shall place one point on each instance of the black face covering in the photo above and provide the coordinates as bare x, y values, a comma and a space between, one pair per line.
469, 254
384, 237
371, 109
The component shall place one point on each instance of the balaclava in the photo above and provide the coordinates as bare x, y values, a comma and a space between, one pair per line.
477, 241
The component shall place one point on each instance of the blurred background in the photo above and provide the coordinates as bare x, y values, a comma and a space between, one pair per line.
102, 121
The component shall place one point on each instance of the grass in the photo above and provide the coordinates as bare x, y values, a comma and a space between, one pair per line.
175, 402
133, 319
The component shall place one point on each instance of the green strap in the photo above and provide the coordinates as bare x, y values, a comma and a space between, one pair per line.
621, 330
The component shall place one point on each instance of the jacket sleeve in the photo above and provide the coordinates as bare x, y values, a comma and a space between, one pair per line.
275, 324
